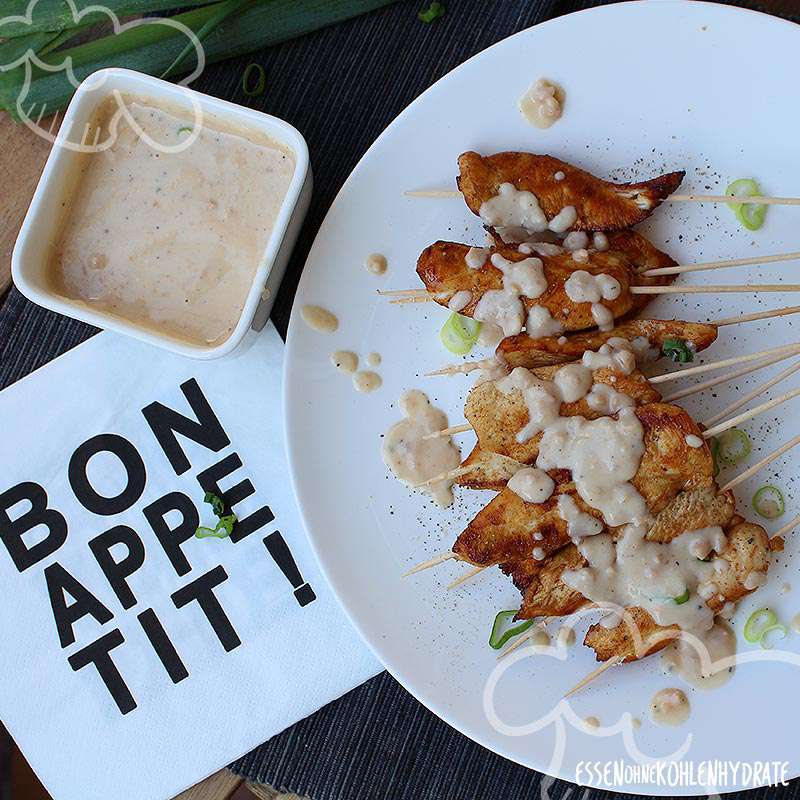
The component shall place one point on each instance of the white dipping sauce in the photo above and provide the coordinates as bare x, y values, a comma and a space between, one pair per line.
460, 300
606, 400
541, 399
524, 277
682, 658
345, 361
512, 208
501, 308
577, 240
583, 287
476, 257
319, 319
542, 104
579, 523
531, 484
170, 240
504, 307
366, 381
669, 707
414, 459
541, 323
376, 264
573, 381
603, 455
564, 220
653, 575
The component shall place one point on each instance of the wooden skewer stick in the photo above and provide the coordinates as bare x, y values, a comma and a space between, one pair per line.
401, 292
746, 415
449, 431
466, 367
780, 312
432, 193
746, 288
745, 399
725, 362
469, 366
748, 473
673, 198
729, 198
728, 376
787, 528
443, 476
432, 562
465, 577
731, 262
417, 298
596, 673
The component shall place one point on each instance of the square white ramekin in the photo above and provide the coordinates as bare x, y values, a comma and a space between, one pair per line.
41, 224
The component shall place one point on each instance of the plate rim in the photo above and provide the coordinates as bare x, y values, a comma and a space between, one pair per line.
419, 693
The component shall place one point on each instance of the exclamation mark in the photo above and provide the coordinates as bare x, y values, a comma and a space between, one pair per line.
282, 556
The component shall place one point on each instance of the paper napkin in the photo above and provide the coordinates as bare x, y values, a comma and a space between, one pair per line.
137, 659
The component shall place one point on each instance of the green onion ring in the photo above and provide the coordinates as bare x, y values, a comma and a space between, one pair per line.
734, 446
768, 502
682, 598
261, 83
498, 636
762, 640
751, 215
459, 334
758, 622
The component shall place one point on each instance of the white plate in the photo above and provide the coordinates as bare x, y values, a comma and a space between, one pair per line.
650, 87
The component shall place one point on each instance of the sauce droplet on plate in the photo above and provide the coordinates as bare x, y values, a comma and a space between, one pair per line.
376, 263
669, 707
345, 361
365, 381
319, 319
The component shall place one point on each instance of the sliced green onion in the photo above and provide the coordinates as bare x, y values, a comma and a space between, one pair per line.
502, 630
768, 502
221, 12
217, 503
226, 523
682, 598
733, 446
184, 129
751, 215
765, 642
713, 446
677, 350
432, 12
758, 622
261, 82
459, 334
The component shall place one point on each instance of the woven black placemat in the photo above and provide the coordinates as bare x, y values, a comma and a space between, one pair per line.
341, 87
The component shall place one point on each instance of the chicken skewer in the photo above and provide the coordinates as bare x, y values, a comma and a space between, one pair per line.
497, 403
526, 351
504, 530
671, 198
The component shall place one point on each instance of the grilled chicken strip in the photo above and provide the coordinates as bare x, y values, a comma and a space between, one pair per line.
524, 351
600, 205
544, 594
747, 553
443, 269
497, 416
506, 528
